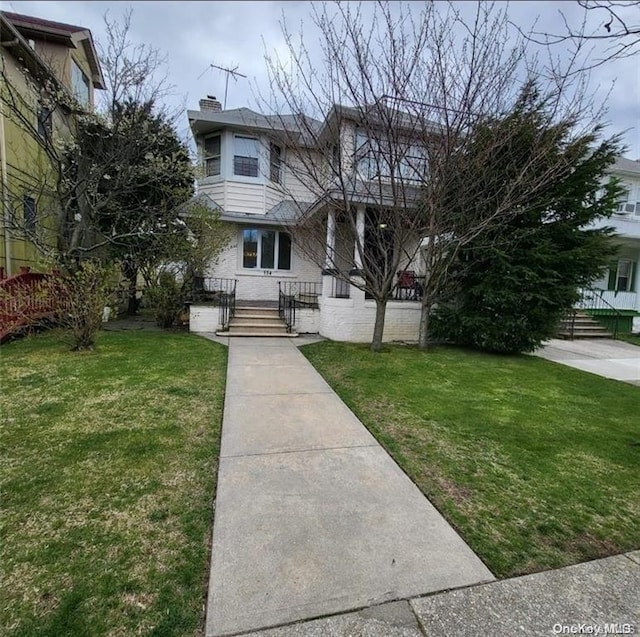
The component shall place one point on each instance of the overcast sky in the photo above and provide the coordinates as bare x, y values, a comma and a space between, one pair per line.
196, 34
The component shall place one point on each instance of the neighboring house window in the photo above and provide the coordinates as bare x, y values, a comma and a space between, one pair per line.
30, 213
275, 163
335, 157
212, 155
45, 122
266, 249
80, 83
621, 276
626, 204
245, 156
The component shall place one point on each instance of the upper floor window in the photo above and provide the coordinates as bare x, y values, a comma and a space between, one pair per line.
212, 155
383, 159
80, 83
275, 163
30, 213
627, 205
45, 122
245, 156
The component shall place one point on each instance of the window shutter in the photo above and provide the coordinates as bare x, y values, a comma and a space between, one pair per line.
613, 271
634, 269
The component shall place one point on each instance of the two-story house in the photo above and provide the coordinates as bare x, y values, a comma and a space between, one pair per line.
619, 289
261, 188
35, 53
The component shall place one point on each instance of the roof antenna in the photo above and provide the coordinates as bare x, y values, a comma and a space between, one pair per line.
230, 72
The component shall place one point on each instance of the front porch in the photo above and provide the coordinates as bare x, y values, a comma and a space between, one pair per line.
334, 307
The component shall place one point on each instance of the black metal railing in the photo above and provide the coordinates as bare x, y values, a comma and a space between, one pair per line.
592, 302
409, 286
219, 292
294, 295
340, 287
227, 303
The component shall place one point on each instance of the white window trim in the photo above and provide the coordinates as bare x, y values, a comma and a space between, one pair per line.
258, 268
87, 79
630, 264
233, 157
206, 157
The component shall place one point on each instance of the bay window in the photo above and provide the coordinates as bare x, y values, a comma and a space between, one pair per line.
275, 163
266, 249
245, 156
212, 155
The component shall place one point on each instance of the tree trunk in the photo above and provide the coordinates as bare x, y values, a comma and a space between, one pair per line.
378, 329
131, 274
423, 337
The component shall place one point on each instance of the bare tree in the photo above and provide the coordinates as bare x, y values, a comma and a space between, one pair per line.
616, 33
383, 114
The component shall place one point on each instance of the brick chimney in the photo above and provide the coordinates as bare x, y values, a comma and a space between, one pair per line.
210, 103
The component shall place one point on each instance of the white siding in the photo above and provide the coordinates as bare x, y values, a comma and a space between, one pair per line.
243, 197
298, 185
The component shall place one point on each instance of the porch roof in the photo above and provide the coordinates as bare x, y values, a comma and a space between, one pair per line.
284, 213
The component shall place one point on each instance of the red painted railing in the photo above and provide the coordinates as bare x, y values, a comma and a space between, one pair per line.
25, 299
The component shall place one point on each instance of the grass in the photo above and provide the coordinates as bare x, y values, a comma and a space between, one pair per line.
108, 479
634, 339
537, 465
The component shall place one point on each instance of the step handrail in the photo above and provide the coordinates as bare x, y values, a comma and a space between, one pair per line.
595, 294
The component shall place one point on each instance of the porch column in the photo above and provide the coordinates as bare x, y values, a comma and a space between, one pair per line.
357, 257
329, 259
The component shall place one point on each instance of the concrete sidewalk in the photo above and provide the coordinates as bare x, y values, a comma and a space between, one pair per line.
313, 517
605, 357
582, 599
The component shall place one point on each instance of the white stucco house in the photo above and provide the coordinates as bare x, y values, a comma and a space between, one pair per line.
261, 188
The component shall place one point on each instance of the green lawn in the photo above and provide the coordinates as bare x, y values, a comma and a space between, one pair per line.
537, 465
108, 478
634, 339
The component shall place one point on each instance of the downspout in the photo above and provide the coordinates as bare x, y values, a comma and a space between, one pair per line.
6, 212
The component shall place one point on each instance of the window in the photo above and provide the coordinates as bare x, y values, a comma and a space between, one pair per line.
30, 213
266, 249
621, 276
275, 163
378, 158
45, 122
80, 83
212, 155
626, 203
245, 156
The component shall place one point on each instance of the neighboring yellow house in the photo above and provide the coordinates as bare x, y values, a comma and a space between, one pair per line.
64, 57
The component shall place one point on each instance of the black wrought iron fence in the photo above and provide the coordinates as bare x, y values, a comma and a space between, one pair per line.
294, 295
219, 292
340, 288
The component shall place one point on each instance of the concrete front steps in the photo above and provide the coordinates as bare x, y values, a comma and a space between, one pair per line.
257, 321
585, 326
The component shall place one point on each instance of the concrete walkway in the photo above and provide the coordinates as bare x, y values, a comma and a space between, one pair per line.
583, 599
312, 516
605, 357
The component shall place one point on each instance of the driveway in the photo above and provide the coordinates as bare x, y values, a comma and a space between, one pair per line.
605, 357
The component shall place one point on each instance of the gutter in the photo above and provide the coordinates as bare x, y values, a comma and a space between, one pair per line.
6, 212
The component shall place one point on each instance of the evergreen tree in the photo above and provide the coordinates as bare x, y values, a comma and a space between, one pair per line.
512, 284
